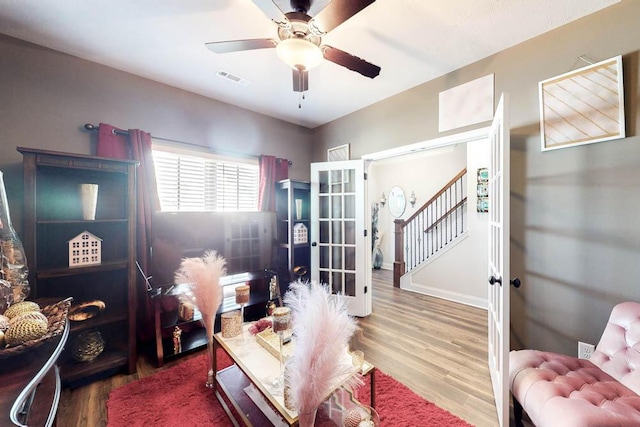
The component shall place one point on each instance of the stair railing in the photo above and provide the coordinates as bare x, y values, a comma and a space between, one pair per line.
433, 226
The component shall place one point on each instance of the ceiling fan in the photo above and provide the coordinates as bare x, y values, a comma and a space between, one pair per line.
301, 37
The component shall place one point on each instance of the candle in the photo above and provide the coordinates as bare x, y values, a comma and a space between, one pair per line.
242, 294
281, 319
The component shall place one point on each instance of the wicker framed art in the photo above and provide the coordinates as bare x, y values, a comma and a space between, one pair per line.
583, 106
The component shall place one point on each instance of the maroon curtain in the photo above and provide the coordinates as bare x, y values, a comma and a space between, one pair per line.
272, 170
136, 145
282, 169
266, 190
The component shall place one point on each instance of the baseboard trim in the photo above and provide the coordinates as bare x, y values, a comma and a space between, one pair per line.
445, 294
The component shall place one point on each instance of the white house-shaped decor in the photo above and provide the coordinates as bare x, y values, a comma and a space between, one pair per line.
300, 234
85, 249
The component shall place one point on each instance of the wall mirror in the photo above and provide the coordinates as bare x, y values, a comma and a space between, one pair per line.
396, 202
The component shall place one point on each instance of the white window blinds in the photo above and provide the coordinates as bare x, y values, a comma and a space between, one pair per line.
199, 181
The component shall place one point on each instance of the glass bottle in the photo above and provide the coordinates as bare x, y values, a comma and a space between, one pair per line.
13, 266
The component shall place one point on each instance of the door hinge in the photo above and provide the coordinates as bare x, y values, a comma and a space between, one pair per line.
365, 233
366, 289
365, 176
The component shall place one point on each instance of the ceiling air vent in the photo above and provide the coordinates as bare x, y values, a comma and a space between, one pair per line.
233, 78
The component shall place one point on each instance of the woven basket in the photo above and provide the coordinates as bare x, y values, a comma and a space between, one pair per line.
57, 317
87, 346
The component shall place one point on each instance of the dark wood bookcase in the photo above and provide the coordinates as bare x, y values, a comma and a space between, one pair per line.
52, 217
293, 253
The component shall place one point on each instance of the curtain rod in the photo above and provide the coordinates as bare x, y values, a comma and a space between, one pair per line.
90, 127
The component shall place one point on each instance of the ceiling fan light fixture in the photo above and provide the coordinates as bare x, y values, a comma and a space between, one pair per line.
297, 52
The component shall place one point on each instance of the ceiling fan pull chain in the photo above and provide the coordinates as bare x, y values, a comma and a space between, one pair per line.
301, 93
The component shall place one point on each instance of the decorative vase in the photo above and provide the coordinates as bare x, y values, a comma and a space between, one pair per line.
13, 264
210, 370
208, 325
89, 199
377, 258
307, 419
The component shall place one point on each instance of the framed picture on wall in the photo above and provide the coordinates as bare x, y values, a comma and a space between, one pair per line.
583, 106
339, 153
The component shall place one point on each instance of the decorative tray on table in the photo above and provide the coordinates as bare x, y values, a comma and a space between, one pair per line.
270, 341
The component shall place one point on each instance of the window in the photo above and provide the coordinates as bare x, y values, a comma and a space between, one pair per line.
190, 180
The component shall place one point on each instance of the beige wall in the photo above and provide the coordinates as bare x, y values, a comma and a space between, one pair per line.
574, 234
46, 97
575, 242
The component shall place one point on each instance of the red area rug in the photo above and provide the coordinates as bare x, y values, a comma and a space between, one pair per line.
177, 396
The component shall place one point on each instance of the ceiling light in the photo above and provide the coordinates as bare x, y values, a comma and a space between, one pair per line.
296, 52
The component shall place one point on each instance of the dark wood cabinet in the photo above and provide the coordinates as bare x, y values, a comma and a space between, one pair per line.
245, 239
52, 219
192, 333
293, 218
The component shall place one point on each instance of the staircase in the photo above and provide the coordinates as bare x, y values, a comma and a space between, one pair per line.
439, 222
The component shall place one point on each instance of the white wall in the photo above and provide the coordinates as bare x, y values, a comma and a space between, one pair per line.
460, 273
424, 173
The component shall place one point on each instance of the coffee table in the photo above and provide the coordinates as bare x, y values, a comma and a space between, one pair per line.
245, 388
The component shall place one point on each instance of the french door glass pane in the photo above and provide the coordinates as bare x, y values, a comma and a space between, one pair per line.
350, 284
323, 178
336, 232
349, 181
336, 258
324, 257
350, 258
324, 277
336, 181
336, 285
350, 206
324, 232
350, 232
323, 202
336, 206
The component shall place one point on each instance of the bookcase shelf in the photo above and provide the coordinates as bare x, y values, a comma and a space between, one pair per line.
52, 217
292, 208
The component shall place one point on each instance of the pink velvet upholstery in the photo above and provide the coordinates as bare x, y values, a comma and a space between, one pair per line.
558, 390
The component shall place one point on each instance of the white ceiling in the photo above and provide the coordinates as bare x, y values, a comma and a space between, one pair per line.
413, 41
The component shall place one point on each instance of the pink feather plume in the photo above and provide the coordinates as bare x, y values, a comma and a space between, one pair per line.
322, 328
202, 276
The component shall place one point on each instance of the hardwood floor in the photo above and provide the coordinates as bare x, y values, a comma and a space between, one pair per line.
435, 347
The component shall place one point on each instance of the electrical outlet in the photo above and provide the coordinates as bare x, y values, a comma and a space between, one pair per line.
585, 350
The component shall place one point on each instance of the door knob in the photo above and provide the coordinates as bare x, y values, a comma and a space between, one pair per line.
314, 244
515, 282
493, 280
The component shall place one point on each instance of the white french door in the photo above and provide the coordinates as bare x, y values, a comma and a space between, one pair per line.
498, 286
340, 254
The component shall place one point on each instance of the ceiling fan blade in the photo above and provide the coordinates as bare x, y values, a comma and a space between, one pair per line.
273, 12
335, 13
300, 80
349, 61
239, 45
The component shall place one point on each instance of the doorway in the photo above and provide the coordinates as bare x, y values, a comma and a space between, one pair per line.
467, 286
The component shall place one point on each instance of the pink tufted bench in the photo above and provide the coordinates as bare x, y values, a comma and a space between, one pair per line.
563, 391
